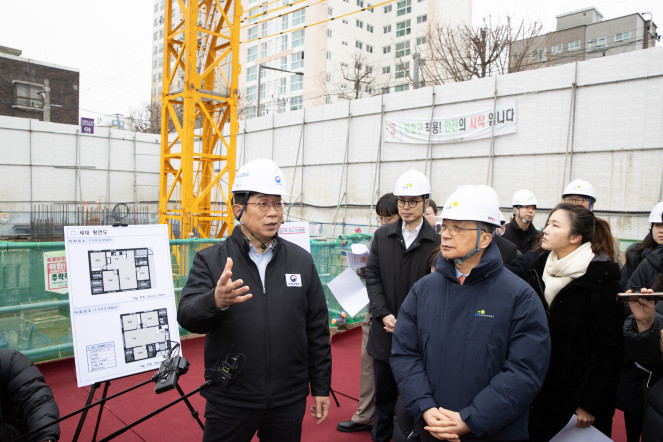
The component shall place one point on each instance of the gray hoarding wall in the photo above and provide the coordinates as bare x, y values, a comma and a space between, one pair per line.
600, 120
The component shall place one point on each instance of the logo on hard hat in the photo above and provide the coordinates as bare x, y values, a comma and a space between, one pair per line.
407, 185
452, 205
490, 218
277, 179
242, 175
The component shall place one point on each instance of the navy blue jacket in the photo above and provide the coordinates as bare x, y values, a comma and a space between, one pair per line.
481, 349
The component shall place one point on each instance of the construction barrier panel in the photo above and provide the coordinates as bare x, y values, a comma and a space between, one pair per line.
34, 299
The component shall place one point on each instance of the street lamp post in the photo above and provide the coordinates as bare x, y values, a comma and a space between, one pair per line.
260, 68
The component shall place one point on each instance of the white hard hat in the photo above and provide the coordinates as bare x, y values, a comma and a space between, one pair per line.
412, 183
523, 197
580, 187
473, 203
656, 213
261, 176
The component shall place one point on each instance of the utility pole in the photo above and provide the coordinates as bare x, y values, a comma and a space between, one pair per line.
46, 93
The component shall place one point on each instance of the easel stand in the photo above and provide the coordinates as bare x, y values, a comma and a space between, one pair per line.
104, 398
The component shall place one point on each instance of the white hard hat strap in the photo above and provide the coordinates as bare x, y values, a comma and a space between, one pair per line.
476, 249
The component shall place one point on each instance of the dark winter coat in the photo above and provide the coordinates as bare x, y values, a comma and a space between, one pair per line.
481, 348
585, 322
648, 270
391, 271
27, 401
644, 348
282, 331
525, 240
508, 250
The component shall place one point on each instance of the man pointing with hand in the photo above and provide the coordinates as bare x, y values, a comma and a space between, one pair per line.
258, 299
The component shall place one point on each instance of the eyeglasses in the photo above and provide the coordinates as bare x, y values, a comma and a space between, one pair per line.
455, 230
410, 203
575, 200
264, 206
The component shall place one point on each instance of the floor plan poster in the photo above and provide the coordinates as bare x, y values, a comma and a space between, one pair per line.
121, 299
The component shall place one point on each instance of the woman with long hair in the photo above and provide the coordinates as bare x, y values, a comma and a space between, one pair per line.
577, 282
651, 247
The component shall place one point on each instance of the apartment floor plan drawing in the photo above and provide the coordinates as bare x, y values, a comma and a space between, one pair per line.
119, 270
145, 334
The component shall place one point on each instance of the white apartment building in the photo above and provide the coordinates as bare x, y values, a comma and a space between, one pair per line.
324, 40
343, 48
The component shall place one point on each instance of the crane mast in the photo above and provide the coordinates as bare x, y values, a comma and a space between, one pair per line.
199, 117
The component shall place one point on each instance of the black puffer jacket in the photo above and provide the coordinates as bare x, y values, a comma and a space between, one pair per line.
27, 401
645, 349
648, 270
391, 271
523, 239
283, 330
585, 322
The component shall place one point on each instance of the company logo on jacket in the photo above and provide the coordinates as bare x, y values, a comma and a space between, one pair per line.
482, 314
293, 279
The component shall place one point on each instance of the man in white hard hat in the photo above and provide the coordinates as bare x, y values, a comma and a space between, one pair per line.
580, 192
398, 258
520, 230
471, 346
261, 305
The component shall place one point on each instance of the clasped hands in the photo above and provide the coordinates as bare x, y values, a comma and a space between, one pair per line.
444, 424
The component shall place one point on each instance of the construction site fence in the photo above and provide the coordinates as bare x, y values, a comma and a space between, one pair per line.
37, 322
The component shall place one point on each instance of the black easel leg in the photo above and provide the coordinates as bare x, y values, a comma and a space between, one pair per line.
101, 409
334, 396
193, 411
81, 421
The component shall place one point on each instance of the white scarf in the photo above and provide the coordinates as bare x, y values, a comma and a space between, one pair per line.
559, 272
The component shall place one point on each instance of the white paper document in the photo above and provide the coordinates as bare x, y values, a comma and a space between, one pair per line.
349, 291
355, 255
297, 233
572, 433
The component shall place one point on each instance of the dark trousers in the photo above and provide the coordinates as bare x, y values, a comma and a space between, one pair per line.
386, 394
236, 424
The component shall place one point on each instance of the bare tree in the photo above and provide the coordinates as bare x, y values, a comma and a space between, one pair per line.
146, 119
463, 52
355, 79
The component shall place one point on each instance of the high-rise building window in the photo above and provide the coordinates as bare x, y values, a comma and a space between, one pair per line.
251, 73
284, 42
556, 49
422, 19
358, 44
386, 69
299, 17
387, 29
283, 85
387, 9
296, 83
298, 38
401, 88
329, 33
297, 60
284, 22
386, 49
401, 69
252, 33
252, 54
263, 50
359, 24
251, 93
402, 49
265, 29
369, 49
403, 28
296, 103
370, 28
621, 36
403, 7
574, 45
421, 40
284, 63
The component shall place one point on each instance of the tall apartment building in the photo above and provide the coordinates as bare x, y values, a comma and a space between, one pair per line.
316, 52
583, 34
343, 48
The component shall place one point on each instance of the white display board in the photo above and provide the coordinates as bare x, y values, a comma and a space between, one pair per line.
296, 233
121, 300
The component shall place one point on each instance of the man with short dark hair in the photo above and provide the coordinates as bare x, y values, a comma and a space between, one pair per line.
399, 252
279, 332
520, 230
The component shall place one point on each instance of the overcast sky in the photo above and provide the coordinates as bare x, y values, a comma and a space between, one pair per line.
109, 41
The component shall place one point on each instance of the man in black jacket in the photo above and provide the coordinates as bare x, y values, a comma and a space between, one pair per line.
27, 401
278, 332
398, 258
520, 230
